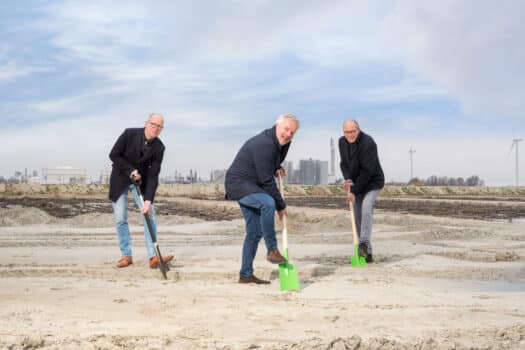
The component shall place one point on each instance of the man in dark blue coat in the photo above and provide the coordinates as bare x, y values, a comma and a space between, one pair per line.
364, 177
250, 180
137, 157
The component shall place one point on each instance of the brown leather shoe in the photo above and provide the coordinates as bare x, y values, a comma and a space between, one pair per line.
125, 261
154, 262
252, 279
275, 257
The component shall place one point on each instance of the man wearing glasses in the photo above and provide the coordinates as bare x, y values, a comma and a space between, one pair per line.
363, 179
137, 157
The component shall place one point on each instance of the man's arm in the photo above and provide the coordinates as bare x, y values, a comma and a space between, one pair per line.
265, 169
117, 155
343, 153
369, 160
153, 172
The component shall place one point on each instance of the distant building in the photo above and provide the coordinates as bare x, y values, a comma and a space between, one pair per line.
64, 175
217, 176
313, 172
104, 176
332, 157
288, 167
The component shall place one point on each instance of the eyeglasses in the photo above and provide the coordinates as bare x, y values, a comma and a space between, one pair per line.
350, 131
155, 125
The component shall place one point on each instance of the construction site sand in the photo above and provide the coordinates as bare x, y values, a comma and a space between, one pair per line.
437, 283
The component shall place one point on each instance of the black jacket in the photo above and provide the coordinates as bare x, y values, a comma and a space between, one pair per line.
127, 155
253, 169
360, 163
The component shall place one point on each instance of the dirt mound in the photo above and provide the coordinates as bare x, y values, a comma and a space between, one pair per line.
17, 215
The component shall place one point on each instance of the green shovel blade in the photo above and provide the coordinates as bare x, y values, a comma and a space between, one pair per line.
356, 260
288, 275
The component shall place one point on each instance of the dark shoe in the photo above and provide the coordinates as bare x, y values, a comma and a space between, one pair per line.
363, 249
366, 252
275, 257
125, 261
252, 279
154, 262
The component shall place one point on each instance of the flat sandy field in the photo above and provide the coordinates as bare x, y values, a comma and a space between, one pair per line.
442, 280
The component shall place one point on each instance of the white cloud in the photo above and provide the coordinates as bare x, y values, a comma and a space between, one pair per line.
473, 50
12, 70
221, 72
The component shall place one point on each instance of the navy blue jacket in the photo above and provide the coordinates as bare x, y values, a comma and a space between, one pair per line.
253, 169
127, 155
360, 163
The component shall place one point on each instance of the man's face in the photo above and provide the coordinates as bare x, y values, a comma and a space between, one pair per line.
285, 131
154, 126
351, 131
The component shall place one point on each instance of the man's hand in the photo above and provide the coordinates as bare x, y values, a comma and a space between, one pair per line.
281, 172
135, 176
350, 197
146, 207
282, 213
347, 184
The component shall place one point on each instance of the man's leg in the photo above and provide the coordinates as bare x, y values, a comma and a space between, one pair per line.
120, 216
367, 210
251, 240
265, 205
150, 248
149, 243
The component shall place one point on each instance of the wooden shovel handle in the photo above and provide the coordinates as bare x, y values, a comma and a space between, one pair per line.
285, 231
352, 218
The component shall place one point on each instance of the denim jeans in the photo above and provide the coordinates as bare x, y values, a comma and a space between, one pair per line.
364, 208
120, 215
258, 210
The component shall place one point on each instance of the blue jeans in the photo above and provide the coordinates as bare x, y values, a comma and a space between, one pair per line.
258, 210
364, 208
120, 215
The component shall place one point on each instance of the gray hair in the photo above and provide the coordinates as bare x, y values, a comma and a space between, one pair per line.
152, 114
288, 116
351, 121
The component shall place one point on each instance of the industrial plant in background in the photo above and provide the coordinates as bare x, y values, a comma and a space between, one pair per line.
310, 172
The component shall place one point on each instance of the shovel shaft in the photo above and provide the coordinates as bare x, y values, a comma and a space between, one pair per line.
153, 235
287, 272
352, 219
285, 234
285, 230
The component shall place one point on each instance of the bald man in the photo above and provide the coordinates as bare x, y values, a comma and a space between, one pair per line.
137, 157
363, 179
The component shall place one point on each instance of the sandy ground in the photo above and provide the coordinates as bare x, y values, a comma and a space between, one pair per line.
437, 283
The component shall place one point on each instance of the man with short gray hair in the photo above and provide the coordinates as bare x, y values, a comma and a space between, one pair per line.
250, 180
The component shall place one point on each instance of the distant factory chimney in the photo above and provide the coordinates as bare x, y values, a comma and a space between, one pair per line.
332, 157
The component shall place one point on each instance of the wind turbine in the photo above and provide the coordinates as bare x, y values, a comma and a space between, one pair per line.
515, 143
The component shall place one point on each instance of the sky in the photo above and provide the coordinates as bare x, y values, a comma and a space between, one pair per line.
446, 78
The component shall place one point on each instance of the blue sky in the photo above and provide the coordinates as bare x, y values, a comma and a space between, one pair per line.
446, 78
